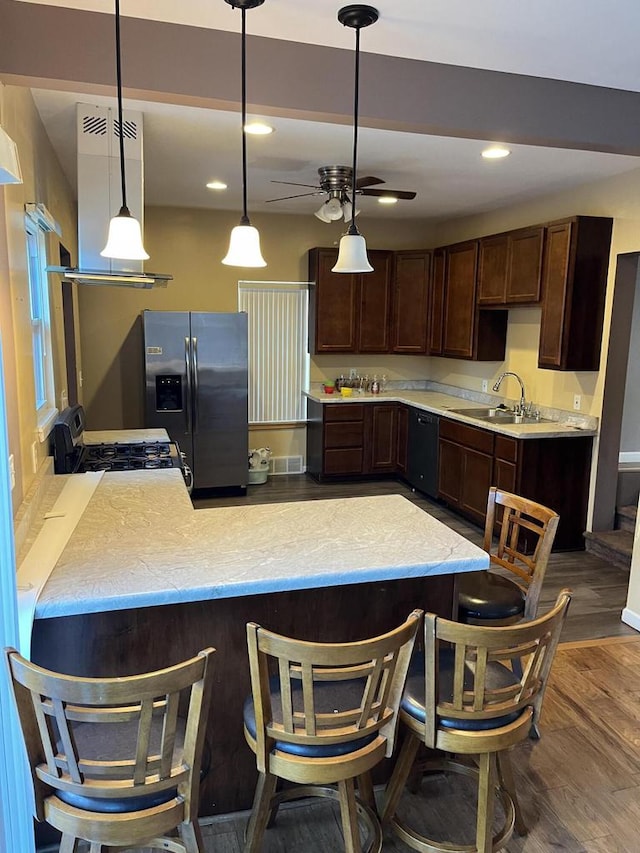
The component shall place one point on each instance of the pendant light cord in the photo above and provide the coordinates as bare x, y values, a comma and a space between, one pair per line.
352, 227
124, 211
245, 218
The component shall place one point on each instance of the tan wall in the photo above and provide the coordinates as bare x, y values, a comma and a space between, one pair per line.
43, 181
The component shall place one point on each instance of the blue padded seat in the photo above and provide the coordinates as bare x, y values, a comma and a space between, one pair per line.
114, 742
329, 697
487, 595
498, 676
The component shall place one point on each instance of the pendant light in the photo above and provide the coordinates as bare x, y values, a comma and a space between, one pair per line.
352, 256
125, 236
244, 245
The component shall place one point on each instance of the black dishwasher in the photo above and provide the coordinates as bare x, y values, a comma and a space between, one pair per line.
422, 451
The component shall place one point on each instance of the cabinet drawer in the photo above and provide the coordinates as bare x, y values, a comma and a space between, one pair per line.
506, 448
343, 461
344, 412
349, 434
478, 439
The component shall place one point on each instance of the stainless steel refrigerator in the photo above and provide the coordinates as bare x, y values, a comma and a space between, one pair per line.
197, 389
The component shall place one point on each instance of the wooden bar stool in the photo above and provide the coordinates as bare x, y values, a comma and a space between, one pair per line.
113, 761
463, 698
527, 531
322, 715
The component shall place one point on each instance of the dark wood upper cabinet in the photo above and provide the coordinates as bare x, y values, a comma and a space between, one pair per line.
510, 267
410, 295
436, 318
493, 262
524, 272
374, 289
574, 281
460, 299
333, 305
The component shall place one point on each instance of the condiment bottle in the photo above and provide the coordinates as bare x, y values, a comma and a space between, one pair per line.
375, 385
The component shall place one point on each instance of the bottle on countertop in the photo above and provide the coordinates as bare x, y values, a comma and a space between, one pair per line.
375, 385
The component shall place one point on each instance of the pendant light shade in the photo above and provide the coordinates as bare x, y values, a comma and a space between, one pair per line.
125, 238
244, 245
244, 248
352, 255
124, 241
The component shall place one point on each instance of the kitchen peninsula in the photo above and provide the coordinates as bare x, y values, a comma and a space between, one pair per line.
145, 581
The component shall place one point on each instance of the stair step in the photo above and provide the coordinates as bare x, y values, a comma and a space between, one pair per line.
626, 517
615, 546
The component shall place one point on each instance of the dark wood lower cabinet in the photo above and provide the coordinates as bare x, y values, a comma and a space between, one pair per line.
383, 437
402, 438
132, 641
551, 471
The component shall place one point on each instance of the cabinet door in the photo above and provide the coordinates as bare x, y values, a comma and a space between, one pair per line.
375, 304
410, 302
436, 312
477, 476
450, 468
493, 259
555, 283
383, 437
525, 265
333, 305
460, 299
402, 434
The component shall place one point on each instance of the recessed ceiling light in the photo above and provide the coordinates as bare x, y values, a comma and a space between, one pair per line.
495, 152
258, 128
216, 185
387, 199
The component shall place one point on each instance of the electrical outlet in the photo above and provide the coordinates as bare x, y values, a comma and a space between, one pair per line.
577, 402
352, 373
34, 457
485, 385
12, 471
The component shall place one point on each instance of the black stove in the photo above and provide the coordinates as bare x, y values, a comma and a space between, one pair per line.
72, 456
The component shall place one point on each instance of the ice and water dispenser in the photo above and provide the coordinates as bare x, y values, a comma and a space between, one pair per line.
169, 392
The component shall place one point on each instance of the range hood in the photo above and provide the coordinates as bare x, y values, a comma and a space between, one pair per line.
99, 196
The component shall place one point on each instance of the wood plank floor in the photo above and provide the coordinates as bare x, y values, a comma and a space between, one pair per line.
599, 587
579, 784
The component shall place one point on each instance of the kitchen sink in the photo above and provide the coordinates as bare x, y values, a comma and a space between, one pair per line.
501, 416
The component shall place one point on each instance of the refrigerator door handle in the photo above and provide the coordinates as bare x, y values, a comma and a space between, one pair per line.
194, 362
187, 364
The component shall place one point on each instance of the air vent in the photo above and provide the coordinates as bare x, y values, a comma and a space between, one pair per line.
286, 465
129, 129
94, 125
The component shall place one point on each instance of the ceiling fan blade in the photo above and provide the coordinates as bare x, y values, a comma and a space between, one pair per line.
368, 181
404, 194
300, 195
294, 184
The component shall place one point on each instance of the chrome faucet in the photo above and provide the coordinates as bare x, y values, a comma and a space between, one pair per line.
521, 409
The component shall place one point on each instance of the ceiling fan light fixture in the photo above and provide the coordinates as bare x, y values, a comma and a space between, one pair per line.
347, 210
352, 254
244, 248
244, 243
322, 215
124, 241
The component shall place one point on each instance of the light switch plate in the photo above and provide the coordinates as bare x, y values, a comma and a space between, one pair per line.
485, 385
577, 402
12, 471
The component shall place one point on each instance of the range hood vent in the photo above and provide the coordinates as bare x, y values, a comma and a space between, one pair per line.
99, 195
142, 280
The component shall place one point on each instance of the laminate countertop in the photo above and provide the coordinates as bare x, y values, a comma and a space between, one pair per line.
561, 425
139, 542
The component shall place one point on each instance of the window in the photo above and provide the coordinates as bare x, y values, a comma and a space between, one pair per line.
278, 357
40, 325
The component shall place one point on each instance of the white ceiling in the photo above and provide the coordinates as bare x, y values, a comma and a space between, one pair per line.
186, 147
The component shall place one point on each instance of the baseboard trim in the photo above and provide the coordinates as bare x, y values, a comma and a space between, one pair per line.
631, 618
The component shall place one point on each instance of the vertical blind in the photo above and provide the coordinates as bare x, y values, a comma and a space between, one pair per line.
278, 357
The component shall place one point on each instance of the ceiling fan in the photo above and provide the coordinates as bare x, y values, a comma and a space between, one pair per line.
335, 181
